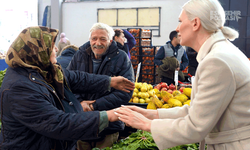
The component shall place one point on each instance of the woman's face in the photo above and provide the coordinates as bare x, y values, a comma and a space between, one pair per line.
53, 55
120, 39
185, 30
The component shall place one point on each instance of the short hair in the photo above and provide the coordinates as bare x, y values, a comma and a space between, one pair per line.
104, 27
172, 35
211, 15
117, 33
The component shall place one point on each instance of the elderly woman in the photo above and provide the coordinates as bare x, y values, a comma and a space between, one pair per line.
38, 109
220, 101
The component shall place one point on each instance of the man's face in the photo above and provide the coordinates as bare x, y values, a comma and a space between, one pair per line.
99, 42
177, 39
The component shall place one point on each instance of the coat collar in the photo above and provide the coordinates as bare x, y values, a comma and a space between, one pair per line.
208, 44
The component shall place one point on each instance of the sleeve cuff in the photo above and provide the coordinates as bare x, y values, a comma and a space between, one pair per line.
103, 121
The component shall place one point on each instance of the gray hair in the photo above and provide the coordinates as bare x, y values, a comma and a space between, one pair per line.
103, 26
211, 15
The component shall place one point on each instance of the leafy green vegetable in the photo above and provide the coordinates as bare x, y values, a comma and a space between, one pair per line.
2, 74
142, 140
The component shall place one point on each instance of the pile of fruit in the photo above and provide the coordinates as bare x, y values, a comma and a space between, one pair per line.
168, 96
143, 92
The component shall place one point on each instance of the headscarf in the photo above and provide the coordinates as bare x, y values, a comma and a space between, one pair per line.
63, 38
32, 49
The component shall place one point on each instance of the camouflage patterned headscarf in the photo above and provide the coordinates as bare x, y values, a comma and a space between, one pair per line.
32, 49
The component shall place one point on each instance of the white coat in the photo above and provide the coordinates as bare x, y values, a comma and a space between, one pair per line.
220, 102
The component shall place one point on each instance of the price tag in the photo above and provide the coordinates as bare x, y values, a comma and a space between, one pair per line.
176, 77
138, 72
192, 80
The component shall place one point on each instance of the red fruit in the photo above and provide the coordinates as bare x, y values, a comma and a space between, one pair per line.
164, 89
171, 86
163, 84
158, 86
181, 89
170, 91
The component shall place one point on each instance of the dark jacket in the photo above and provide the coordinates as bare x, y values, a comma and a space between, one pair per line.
114, 63
191, 53
167, 69
66, 57
34, 116
161, 55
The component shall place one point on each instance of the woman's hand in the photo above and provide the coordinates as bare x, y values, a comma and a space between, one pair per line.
133, 118
121, 83
86, 105
148, 113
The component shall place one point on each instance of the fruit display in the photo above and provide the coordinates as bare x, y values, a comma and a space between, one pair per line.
167, 96
143, 93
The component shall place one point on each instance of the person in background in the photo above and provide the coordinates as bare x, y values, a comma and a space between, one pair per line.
172, 48
193, 64
102, 56
66, 55
120, 36
38, 109
218, 114
64, 41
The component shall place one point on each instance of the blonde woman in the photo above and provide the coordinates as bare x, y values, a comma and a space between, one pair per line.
220, 101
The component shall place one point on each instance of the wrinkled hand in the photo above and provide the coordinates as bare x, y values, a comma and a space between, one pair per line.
133, 118
111, 115
148, 113
86, 105
121, 83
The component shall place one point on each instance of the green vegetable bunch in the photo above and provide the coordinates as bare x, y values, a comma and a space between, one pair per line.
194, 146
139, 140
142, 140
2, 74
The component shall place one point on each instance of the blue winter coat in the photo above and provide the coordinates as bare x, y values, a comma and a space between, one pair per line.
66, 57
34, 118
115, 63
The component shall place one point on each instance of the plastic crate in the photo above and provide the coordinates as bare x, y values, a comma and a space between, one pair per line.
146, 33
146, 42
135, 51
148, 79
148, 51
148, 60
136, 32
148, 70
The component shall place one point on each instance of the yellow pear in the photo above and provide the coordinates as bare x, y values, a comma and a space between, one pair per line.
147, 100
142, 101
144, 88
136, 90
135, 100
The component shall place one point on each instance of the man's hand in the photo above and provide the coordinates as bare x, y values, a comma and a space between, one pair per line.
121, 83
86, 105
178, 68
111, 115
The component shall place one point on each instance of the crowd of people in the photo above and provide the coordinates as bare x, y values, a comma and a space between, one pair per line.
70, 97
